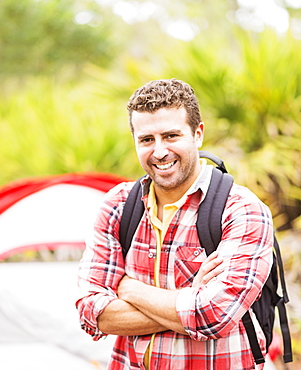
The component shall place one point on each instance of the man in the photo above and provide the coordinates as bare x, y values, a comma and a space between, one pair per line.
170, 306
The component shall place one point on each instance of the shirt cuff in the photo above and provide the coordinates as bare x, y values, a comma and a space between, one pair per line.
183, 305
90, 308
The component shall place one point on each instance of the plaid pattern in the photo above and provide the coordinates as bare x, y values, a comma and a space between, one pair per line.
211, 315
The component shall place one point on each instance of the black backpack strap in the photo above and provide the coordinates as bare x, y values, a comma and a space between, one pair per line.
280, 303
219, 162
131, 216
252, 336
281, 270
286, 337
209, 228
209, 220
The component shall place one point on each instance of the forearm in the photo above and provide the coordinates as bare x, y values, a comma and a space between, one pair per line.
122, 318
158, 304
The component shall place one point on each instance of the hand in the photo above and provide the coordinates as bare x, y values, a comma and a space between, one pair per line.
210, 268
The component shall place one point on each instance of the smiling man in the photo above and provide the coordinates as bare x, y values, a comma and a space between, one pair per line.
171, 306
168, 150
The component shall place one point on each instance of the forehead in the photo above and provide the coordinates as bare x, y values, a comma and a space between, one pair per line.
162, 119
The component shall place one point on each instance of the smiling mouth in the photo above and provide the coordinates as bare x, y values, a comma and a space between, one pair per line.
165, 166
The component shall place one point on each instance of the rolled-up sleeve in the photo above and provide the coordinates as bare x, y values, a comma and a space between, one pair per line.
102, 266
211, 311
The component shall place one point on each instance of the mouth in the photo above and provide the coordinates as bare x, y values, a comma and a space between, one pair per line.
165, 166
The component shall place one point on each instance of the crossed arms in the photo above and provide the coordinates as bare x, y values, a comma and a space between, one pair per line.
113, 303
144, 309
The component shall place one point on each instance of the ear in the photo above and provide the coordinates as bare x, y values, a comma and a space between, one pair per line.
199, 134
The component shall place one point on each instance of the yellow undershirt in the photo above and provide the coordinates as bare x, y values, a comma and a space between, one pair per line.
160, 228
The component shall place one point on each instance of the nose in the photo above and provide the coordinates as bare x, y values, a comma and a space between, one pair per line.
160, 150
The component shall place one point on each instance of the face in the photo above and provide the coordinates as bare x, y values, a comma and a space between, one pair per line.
167, 149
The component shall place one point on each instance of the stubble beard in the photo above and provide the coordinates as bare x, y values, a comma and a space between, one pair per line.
172, 182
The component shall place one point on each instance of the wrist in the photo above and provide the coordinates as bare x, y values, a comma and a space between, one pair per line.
133, 293
129, 289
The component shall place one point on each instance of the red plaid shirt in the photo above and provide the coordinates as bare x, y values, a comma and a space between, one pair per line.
211, 314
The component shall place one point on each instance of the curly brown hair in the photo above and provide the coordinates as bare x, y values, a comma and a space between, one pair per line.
170, 93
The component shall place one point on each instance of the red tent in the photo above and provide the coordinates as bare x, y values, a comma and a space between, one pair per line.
50, 212
38, 318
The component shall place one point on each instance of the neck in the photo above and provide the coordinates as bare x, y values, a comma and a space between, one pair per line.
169, 196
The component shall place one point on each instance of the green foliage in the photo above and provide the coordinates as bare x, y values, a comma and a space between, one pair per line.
43, 37
50, 129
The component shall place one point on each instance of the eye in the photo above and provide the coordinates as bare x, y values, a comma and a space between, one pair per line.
146, 140
171, 136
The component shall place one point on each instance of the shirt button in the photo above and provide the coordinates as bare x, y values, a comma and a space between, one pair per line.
150, 255
196, 253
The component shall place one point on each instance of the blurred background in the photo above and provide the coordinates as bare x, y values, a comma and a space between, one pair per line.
67, 69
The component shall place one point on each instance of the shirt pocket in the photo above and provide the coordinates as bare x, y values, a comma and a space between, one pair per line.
140, 263
188, 261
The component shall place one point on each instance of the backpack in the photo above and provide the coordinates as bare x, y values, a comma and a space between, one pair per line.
209, 232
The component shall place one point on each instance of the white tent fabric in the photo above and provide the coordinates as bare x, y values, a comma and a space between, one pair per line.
39, 322
60, 213
39, 356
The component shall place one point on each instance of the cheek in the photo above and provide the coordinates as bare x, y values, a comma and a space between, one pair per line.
143, 154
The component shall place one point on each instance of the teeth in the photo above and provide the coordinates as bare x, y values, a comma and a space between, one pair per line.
165, 166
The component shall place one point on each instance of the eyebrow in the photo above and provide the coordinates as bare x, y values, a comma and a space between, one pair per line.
141, 137
175, 131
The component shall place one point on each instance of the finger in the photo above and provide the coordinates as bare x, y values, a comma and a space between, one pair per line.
212, 274
212, 257
208, 270
209, 265
203, 278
